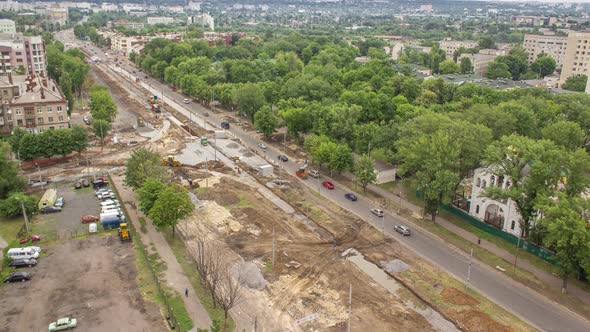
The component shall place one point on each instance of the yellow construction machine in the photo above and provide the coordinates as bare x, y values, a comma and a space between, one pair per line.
124, 233
171, 161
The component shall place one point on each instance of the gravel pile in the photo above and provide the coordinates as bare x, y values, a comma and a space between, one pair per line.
252, 277
395, 266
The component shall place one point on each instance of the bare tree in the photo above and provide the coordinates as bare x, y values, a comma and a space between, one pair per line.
200, 253
229, 288
216, 259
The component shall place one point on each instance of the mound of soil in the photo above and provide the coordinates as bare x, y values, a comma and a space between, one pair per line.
457, 297
477, 321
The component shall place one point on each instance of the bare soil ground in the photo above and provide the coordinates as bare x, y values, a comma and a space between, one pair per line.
90, 278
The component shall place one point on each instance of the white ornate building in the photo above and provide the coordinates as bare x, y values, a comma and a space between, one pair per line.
502, 214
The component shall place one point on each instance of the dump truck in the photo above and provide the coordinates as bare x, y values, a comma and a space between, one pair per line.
124, 233
301, 172
171, 161
204, 140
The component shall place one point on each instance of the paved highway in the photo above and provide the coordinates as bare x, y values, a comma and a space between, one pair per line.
514, 297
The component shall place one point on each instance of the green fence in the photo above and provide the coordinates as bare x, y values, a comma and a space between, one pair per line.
529, 247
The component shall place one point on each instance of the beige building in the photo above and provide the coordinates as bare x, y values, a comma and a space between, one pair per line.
553, 46
450, 46
58, 16
479, 61
577, 56
7, 26
33, 102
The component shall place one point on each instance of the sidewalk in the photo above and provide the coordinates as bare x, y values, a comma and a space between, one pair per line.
548, 278
174, 274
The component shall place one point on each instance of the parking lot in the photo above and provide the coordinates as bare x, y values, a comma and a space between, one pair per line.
90, 277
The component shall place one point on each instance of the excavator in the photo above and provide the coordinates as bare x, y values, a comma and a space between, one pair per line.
171, 161
301, 172
124, 233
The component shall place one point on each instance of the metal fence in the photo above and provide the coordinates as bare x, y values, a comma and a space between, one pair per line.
532, 248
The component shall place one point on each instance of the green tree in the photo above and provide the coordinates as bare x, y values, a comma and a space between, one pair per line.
149, 193
173, 204
486, 42
576, 83
102, 105
365, 171
30, 147
101, 128
14, 139
565, 133
466, 67
11, 206
498, 70
143, 164
64, 144
341, 158
544, 65
10, 180
79, 137
448, 67
298, 120
266, 122
249, 99
566, 222
534, 169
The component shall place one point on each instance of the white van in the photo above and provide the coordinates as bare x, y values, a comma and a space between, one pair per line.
112, 213
111, 208
18, 253
109, 202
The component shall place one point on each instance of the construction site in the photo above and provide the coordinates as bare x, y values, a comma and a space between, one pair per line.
301, 255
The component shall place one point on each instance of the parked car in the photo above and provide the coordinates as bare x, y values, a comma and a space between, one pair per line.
262, 145
31, 238
63, 324
314, 174
77, 185
328, 185
403, 230
206, 114
17, 276
283, 158
86, 120
225, 125
25, 262
50, 209
59, 202
351, 196
99, 183
89, 219
186, 101
377, 212
85, 183
37, 249
105, 196
102, 190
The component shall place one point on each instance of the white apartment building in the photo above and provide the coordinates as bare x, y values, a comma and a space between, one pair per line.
501, 214
202, 20
450, 46
577, 55
554, 46
7, 26
160, 20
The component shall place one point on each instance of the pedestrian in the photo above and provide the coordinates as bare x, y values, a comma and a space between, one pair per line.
186, 292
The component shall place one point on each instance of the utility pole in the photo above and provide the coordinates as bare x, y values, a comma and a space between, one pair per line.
285, 141
22, 206
469, 267
516, 254
274, 249
207, 177
349, 307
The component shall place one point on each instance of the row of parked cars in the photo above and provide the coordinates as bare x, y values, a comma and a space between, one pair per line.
21, 257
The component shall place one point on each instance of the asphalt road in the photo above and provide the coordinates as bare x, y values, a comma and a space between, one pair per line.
514, 297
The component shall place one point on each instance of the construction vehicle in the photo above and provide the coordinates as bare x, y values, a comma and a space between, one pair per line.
124, 233
155, 106
171, 161
204, 140
301, 172
140, 122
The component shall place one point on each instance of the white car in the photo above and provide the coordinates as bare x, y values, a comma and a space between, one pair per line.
37, 249
403, 230
186, 101
262, 146
377, 212
63, 324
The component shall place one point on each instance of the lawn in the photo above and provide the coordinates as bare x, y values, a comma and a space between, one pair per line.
9, 228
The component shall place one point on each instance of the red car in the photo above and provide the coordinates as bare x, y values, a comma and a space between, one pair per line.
328, 185
32, 238
89, 218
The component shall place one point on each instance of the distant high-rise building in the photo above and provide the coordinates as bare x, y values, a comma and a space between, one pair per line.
577, 55
202, 20
554, 46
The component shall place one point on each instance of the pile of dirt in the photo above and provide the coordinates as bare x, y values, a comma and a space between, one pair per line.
217, 217
477, 321
395, 266
454, 296
250, 274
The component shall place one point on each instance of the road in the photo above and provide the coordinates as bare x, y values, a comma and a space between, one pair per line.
516, 298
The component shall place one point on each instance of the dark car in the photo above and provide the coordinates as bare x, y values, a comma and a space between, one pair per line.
17, 276
77, 185
225, 125
50, 209
351, 197
283, 158
99, 184
25, 262
86, 183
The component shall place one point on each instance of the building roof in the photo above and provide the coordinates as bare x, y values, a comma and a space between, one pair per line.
33, 89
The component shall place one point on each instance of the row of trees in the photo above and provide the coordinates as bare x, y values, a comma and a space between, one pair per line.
515, 66
103, 110
12, 186
58, 142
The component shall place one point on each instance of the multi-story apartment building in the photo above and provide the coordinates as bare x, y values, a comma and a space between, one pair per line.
21, 55
554, 46
450, 46
7, 26
202, 20
33, 102
57, 16
160, 20
479, 61
577, 55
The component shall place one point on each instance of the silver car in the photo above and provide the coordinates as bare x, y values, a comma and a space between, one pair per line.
403, 230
